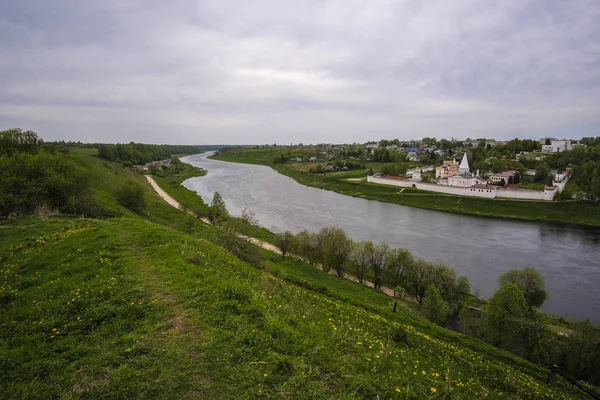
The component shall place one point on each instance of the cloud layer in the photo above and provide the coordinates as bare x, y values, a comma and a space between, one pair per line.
267, 71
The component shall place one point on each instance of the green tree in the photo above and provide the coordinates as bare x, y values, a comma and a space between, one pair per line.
419, 275
541, 172
335, 247
581, 354
218, 211
131, 195
529, 281
377, 261
434, 308
444, 279
284, 241
398, 263
306, 245
502, 316
463, 288
361, 258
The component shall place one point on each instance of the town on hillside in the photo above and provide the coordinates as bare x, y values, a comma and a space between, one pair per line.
521, 169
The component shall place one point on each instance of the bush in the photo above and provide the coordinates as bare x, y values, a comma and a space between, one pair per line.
399, 335
131, 195
43, 180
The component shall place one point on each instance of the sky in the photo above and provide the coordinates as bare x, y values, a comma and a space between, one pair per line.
313, 71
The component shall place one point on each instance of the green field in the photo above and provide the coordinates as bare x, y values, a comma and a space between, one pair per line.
570, 212
147, 306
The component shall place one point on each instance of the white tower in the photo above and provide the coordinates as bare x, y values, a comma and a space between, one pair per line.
463, 168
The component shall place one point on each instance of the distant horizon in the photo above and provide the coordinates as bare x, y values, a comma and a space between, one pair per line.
309, 144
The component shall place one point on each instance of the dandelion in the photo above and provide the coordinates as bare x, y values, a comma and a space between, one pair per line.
265, 375
397, 390
433, 390
424, 373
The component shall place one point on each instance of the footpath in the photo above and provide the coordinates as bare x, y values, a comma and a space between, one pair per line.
257, 242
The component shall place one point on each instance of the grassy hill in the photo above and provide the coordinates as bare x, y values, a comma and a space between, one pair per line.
143, 306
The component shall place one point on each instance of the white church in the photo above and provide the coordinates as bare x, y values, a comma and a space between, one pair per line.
465, 178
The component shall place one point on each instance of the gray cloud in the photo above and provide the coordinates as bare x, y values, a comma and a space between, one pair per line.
266, 71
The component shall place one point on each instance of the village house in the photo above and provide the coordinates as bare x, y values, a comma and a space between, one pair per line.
412, 156
507, 176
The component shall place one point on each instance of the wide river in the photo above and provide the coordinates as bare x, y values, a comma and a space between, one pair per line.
480, 248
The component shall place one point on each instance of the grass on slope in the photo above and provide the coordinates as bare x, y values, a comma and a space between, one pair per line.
584, 213
115, 309
134, 307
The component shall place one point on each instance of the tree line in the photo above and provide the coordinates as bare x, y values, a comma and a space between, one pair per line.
510, 319
139, 153
35, 178
332, 250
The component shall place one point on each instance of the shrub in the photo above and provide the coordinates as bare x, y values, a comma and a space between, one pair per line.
131, 195
43, 180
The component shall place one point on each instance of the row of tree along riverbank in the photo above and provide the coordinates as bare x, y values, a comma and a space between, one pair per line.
510, 319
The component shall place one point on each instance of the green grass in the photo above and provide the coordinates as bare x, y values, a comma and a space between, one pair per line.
582, 213
133, 306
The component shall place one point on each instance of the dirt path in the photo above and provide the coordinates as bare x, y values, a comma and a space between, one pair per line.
257, 242
162, 193
172, 202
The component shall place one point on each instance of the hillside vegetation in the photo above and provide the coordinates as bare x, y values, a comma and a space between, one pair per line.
149, 304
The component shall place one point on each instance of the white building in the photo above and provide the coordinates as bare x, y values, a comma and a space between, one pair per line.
464, 180
464, 168
556, 146
507, 176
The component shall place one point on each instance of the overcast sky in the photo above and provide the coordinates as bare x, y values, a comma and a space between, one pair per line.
232, 71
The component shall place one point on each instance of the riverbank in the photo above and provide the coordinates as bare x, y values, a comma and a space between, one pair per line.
571, 212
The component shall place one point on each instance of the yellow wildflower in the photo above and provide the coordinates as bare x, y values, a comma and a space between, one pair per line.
433, 390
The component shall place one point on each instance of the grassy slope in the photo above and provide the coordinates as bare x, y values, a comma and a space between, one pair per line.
113, 309
583, 213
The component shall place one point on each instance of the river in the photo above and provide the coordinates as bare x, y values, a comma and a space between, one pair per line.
480, 248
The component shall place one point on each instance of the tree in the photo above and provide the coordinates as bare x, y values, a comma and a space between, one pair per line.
306, 244
581, 355
501, 319
335, 247
541, 172
434, 308
218, 211
249, 217
444, 279
361, 258
418, 277
284, 241
398, 262
377, 262
530, 282
131, 195
463, 288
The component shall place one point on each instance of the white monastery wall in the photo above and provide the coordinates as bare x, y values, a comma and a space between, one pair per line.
546, 195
